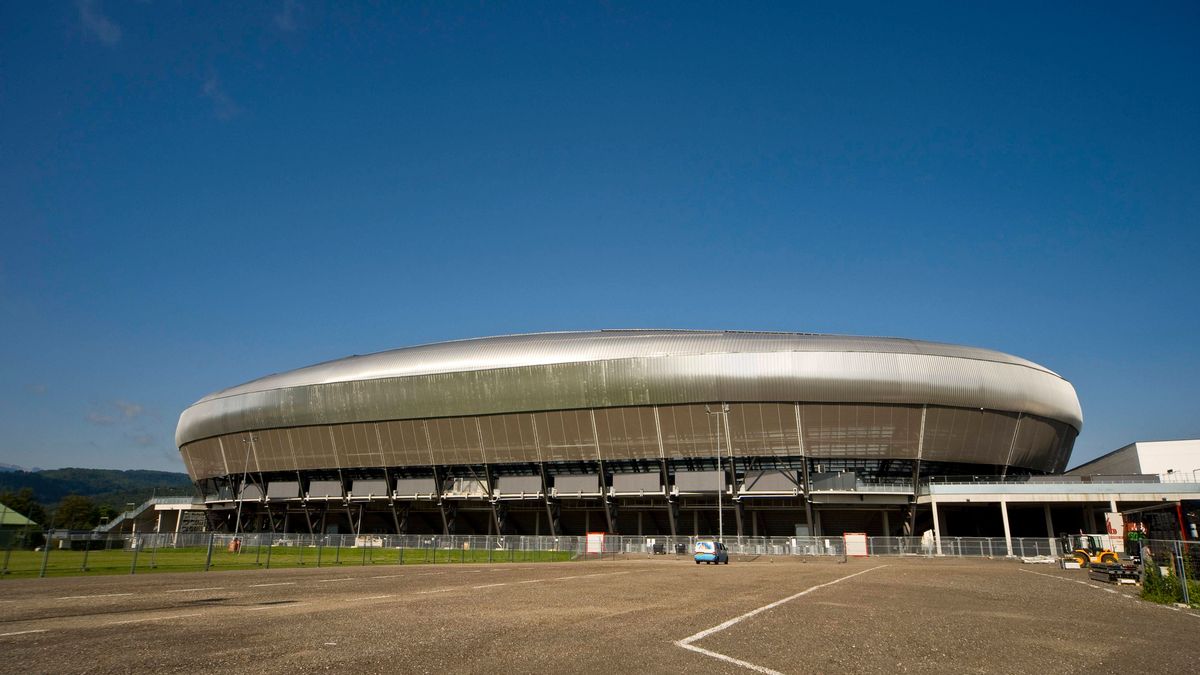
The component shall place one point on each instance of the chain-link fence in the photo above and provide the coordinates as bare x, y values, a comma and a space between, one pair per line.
74, 553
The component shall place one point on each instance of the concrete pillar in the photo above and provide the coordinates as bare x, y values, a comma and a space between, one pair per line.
1091, 518
887, 529
1049, 523
1007, 531
754, 523
587, 521
696, 523
1112, 506
820, 531
158, 522
639, 523
937, 528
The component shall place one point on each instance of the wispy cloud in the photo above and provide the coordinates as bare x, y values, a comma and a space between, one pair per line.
224, 107
142, 439
110, 412
285, 18
99, 419
128, 409
96, 24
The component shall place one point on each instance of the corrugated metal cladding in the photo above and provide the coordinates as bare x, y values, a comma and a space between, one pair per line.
830, 430
611, 369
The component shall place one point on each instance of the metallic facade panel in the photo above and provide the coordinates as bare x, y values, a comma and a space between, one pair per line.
630, 368
585, 484
699, 481
637, 395
636, 482
283, 489
519, 484
407, 487
367, 487
325, 488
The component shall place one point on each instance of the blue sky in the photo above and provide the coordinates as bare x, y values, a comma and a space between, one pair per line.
195, 195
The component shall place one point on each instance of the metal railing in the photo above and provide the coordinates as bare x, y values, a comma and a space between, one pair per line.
73, 553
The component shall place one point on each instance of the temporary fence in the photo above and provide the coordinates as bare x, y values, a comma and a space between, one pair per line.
1169, 571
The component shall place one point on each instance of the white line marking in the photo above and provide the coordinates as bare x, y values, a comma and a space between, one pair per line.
436, 590
280, 606
153, 618
102, 595
1103, 588
490, 585
23, 632
326, 581
192, 590
390, 576
686, 642
373, 597
281, 583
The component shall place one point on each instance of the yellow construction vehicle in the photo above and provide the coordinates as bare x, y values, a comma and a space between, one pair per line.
1088, 549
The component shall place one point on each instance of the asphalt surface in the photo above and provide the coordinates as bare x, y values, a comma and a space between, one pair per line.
647, 615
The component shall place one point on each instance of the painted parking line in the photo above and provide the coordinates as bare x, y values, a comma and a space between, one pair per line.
326, 581
153, 618
1110, 590
490, 585
195, 590
279, 583
23, 632
436, 590
279, 606
373, 597
687, 642
85, 597
389, 576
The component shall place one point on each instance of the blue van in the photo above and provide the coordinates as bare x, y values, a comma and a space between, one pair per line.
710, 552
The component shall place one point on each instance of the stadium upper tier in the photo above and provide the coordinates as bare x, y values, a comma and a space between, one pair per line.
881, 383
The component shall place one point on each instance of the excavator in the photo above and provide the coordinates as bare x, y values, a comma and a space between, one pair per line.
1088, 549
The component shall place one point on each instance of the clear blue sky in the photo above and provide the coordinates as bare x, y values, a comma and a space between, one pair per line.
195, 195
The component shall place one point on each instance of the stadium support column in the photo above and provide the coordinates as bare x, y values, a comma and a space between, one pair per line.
490, 486
808, 510
937, 527
608, 506
447, 519
912, 508
552, 508
1049, 522
1007, 531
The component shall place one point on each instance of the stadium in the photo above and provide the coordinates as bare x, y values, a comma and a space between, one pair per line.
640, 432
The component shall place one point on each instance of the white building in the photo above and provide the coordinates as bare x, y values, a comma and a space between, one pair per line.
1170, 460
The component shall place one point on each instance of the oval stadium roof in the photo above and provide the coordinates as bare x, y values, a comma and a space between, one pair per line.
546, 371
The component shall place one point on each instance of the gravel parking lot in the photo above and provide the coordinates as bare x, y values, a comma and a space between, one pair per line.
660, 615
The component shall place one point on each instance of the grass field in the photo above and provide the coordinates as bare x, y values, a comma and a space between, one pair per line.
59, 563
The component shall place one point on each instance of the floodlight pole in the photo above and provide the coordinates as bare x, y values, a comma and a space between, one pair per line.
242, 488
723, 412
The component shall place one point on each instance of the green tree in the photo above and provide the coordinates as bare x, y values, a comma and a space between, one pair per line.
76, 512
25, 503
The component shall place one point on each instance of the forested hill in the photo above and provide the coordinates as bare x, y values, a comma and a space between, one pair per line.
104, 486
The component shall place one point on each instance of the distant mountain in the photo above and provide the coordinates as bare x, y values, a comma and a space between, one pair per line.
106, 486
13, 467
